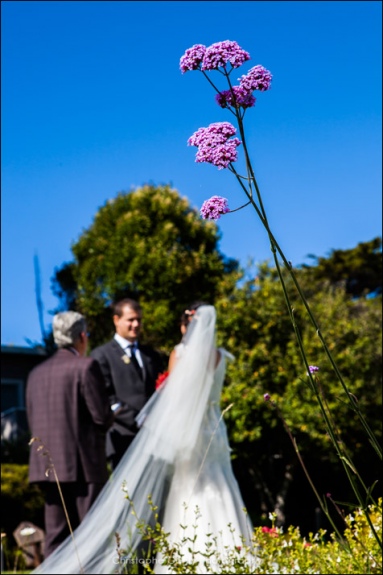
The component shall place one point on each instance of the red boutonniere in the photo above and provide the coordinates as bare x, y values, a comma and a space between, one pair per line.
161, 379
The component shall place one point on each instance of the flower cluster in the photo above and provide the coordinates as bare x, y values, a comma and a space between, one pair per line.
221, 53
198, 57
192, 58
214, 208
257, 78
214, 146
214, 134
221, 155
236, 97
313, 369
218, 55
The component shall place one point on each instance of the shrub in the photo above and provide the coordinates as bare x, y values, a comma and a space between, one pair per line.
272, 550
20, 500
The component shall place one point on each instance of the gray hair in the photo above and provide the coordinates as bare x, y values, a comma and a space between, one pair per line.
67, 327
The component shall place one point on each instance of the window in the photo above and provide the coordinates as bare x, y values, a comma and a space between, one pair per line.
12, 393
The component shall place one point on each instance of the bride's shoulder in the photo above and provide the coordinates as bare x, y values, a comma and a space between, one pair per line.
179, 349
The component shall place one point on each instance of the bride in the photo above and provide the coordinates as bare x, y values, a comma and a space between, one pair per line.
180, 458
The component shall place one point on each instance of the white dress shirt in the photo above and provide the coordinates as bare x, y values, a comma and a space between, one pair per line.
126, 346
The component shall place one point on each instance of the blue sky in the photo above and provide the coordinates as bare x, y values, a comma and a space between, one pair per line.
93, 103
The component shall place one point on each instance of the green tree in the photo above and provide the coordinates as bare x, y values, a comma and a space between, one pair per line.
360, 268
149, 244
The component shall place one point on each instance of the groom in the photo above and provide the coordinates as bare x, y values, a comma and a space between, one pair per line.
130, 371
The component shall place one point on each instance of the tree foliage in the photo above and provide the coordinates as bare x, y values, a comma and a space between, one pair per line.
149, 244
359, 268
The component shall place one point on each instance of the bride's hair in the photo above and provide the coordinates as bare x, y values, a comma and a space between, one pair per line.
188, 313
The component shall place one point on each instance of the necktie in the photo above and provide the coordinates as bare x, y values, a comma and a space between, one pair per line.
133, 359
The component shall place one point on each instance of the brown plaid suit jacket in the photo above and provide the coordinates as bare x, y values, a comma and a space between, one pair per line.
68, 410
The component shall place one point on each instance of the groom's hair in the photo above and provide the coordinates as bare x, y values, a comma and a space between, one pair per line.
119, 306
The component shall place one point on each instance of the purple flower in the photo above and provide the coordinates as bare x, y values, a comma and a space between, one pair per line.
313, 368
239, 97
257, 78
267, 397
216, 133
214, 146
214, 208
220, 53
220, 155
192, 58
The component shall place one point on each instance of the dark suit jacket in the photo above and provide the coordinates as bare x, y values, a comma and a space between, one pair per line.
125, 385
68, 409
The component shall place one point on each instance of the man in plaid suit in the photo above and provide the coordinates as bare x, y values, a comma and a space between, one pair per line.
68, 414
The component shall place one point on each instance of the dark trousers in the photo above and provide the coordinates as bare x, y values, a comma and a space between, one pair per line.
78, 498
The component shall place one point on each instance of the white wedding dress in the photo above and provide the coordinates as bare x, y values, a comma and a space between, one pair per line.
181, 459
204, 492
